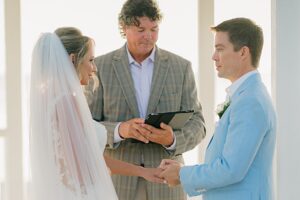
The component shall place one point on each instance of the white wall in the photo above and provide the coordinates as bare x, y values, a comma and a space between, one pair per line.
287, 96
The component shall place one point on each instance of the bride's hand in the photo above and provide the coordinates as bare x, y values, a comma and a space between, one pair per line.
170, 173
152, 175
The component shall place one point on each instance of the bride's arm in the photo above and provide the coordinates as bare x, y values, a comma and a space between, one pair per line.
128, 169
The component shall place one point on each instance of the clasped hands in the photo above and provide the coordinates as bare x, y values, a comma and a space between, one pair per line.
170, 172
167, 172
137, 129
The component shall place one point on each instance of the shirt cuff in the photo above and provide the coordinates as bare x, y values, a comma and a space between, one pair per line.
117, 137
172, 147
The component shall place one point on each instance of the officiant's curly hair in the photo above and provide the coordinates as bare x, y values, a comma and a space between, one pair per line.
243, 32
134, 9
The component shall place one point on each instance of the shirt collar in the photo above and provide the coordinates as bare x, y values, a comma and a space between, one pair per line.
236, 84
132, 60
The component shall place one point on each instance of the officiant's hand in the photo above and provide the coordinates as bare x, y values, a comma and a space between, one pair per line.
163, 135
170, 171
133, 129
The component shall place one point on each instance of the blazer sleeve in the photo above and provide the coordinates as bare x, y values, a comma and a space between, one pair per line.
248, 126
194, 130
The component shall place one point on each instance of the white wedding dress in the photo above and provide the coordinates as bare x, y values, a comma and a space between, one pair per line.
101, 135
66, 145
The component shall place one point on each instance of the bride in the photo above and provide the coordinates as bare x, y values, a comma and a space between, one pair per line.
66, 145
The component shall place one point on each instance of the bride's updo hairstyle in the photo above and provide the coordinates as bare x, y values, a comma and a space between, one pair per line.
78, 44
75, 43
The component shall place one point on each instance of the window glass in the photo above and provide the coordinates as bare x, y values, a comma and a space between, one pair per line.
179, 34
96, 19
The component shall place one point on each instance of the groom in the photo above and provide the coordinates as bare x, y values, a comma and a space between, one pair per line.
238, 160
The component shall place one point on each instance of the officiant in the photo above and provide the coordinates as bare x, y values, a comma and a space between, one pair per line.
138, 79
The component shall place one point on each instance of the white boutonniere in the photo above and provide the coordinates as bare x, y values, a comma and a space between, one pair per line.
221, 108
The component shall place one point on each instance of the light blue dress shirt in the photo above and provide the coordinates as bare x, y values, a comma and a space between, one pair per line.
142, 77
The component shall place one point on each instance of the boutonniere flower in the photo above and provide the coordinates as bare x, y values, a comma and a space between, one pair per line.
221, 108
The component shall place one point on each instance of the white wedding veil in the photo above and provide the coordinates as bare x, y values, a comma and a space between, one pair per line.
66, 160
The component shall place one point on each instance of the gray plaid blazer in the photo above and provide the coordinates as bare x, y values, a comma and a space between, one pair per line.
173, 88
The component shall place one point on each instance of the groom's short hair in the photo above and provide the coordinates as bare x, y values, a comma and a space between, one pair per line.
243, 32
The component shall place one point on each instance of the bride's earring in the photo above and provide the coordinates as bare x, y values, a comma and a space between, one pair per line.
72, 58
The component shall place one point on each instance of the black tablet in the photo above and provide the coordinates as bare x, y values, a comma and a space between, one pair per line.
174, 119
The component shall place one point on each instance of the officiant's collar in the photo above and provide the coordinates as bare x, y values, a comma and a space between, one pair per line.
150, 58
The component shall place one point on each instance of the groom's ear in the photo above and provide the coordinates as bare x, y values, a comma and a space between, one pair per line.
244, 51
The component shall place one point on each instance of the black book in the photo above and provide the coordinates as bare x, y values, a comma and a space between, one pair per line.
174, 119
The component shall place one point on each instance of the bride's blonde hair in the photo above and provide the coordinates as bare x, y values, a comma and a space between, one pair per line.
75, 43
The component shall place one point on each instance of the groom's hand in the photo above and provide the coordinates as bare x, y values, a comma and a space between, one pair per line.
133, 129
170, 172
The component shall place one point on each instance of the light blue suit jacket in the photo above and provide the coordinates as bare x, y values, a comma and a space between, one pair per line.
238, 159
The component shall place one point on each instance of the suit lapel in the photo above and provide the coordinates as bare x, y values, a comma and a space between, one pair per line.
248, 83
122, 70
161, 68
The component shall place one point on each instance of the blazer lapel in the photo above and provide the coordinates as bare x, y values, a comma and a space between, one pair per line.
120, 64
161, 68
